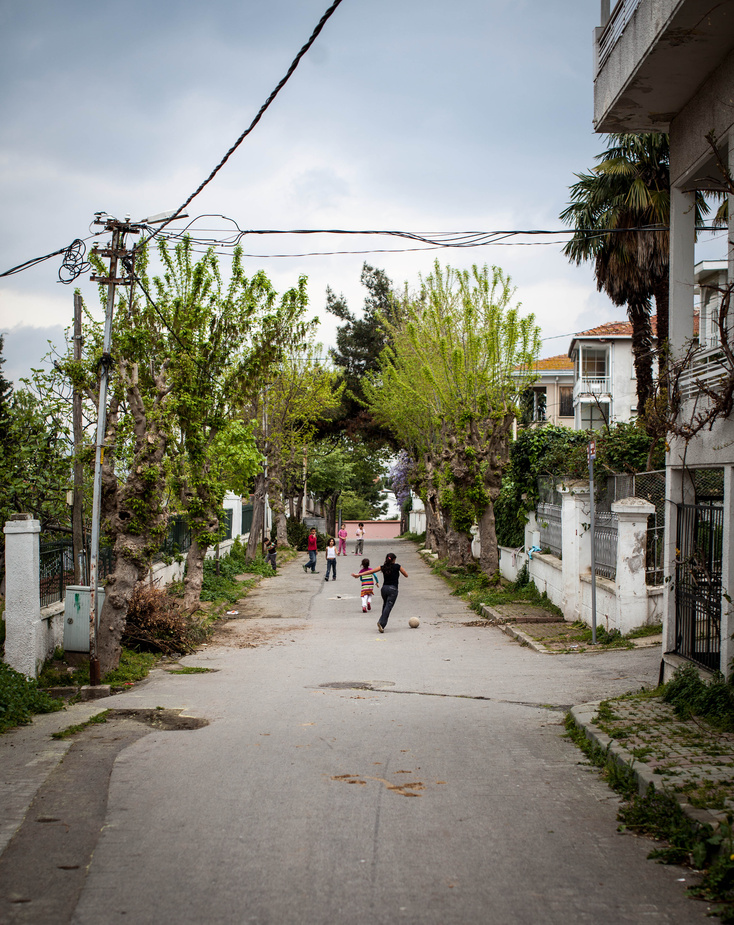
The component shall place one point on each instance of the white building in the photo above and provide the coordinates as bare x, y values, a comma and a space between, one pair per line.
605, 385
668, 66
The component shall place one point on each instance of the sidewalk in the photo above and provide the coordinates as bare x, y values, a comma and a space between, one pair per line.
687, 758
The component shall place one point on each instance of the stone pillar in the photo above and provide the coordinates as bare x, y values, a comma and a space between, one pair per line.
576, 546
23, 636
632, 514
682, 240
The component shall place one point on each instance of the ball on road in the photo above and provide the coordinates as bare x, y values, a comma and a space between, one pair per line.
414, 623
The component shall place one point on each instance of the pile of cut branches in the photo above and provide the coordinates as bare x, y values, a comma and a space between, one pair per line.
156, 623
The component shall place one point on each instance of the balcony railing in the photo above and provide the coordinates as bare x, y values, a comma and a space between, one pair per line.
613, 29
708, 368
592, 385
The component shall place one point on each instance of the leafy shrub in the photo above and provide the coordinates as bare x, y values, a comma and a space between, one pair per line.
20, 699
298, 535
155, 623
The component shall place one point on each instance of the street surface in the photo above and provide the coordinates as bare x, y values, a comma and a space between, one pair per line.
345, 776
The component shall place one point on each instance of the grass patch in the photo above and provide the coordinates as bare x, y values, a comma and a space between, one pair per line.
21, 698
74, 730
476, 588
690, 696
653, 629
134, 666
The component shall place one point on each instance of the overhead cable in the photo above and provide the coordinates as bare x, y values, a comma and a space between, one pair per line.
261, 112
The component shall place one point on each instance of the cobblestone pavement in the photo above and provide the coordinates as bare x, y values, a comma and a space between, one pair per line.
687, 758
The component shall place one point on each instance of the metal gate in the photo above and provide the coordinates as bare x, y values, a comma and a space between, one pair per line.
698, 582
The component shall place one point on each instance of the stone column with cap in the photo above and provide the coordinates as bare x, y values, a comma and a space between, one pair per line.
23, 629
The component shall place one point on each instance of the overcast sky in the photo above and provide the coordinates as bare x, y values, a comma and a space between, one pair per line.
415, 115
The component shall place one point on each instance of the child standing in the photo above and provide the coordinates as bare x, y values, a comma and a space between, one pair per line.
368, 581
342, 534
330, 559
359, 546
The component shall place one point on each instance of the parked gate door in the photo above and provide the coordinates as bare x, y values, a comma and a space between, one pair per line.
698, 583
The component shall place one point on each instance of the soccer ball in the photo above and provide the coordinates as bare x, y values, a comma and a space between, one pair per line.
414, 622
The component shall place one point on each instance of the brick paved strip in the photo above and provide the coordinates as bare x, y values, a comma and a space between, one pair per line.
584, 714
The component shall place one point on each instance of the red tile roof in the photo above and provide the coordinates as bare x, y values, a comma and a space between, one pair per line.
624, 329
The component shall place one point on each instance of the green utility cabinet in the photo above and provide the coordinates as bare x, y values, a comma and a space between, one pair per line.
76, 617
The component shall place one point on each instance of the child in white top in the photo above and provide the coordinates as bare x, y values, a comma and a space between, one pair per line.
330, 559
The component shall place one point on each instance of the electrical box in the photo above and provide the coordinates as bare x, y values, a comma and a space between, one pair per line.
76, 617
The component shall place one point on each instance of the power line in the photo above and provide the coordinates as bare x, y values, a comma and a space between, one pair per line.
72, 266
261, 112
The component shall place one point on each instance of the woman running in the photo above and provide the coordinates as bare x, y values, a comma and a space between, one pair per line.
391, 572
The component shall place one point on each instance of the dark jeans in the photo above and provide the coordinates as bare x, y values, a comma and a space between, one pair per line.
331, 567
359, 548
312, 560
389, 596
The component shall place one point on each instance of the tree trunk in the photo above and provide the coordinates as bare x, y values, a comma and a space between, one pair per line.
331, 506
459, 548
277, 503
194, 575
489, 559
118, 591
439, 540
254, 544
639, 315
134, 512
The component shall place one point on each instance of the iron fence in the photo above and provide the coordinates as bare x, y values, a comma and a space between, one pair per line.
550, 527
56, 567
700, 532
605, 544
178, 538
225, 523
651, 487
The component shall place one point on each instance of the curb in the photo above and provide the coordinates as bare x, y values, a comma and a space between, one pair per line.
583, 715
511, 630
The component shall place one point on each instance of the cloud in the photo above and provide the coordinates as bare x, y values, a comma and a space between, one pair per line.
25, 347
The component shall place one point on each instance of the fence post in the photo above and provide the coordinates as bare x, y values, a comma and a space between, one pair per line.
632, 514
23, 636
576, 548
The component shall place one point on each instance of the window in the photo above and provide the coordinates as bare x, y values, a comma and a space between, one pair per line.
565, 401
594, 417
532, 406
593, 363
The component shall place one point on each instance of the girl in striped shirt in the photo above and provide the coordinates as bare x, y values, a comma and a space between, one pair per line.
368, 580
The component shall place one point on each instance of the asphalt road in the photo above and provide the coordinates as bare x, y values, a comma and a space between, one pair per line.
344, 776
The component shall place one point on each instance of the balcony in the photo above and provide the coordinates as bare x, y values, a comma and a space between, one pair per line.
592, 387
651, 58
611, 31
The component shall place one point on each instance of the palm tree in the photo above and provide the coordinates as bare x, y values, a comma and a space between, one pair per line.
621, 213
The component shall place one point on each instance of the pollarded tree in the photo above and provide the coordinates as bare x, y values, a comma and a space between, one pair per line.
229, 339
451, 384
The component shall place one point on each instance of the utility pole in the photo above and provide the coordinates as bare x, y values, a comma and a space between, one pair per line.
77, 523
115, 252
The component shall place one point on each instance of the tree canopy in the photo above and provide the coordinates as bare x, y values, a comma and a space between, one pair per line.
448, 388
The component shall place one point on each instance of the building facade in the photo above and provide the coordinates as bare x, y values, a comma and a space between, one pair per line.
668, 66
